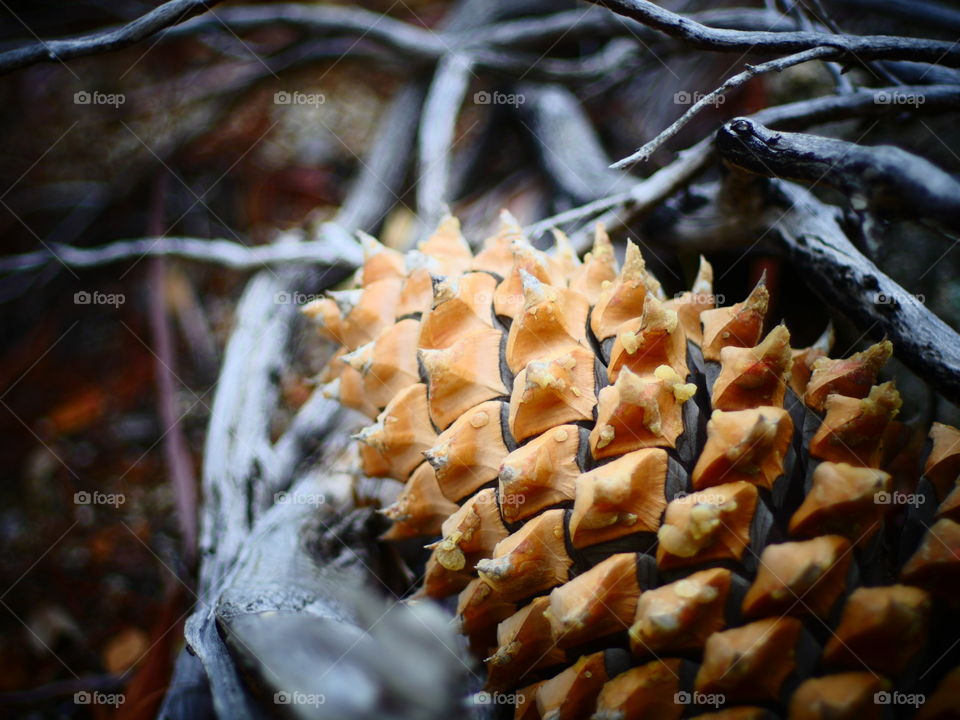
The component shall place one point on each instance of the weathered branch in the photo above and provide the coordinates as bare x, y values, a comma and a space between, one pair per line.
797, 115
915, 12
436, 135
883, 179
615, 55
865, 102
170, 13
569, 148
295, 614
380, 181
741, 78
243, 469
850, 282
850, 48
222, 252
523, 31
415, 44
417, 41
409, 40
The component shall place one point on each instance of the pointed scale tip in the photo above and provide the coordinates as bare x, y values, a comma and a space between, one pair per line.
331, 390
560, 240
360, 359
703, 282
371, 246
826, 339
346, 300
534, 290
444, 288
508, 221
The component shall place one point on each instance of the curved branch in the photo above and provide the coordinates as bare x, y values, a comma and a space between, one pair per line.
412, 41
884, 179
170, 13
818, 53
849, 281
850, 48
436, 135
615, 55
597, 21
224, 252
916, 12
570, 150
402, 36
642, 196
796, 115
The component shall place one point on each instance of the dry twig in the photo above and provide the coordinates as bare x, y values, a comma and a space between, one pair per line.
852, 49
850, 282
884, 180
170, 13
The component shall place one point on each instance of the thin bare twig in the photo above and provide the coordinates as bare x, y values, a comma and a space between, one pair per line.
570, 150
645, 194
942, 17
170, 13
850, 48
223, 252
797, 115
710, 98
805, 17
410, 40
849, 281
436, 135
883, 179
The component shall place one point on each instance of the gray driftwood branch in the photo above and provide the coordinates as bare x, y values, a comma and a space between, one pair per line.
285, 587
883, 179
741, 78
851, 49
435, 138
170, 13
222, 252
847, 280
646, 193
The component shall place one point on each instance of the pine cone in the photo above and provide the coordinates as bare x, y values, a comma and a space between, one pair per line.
648, 507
